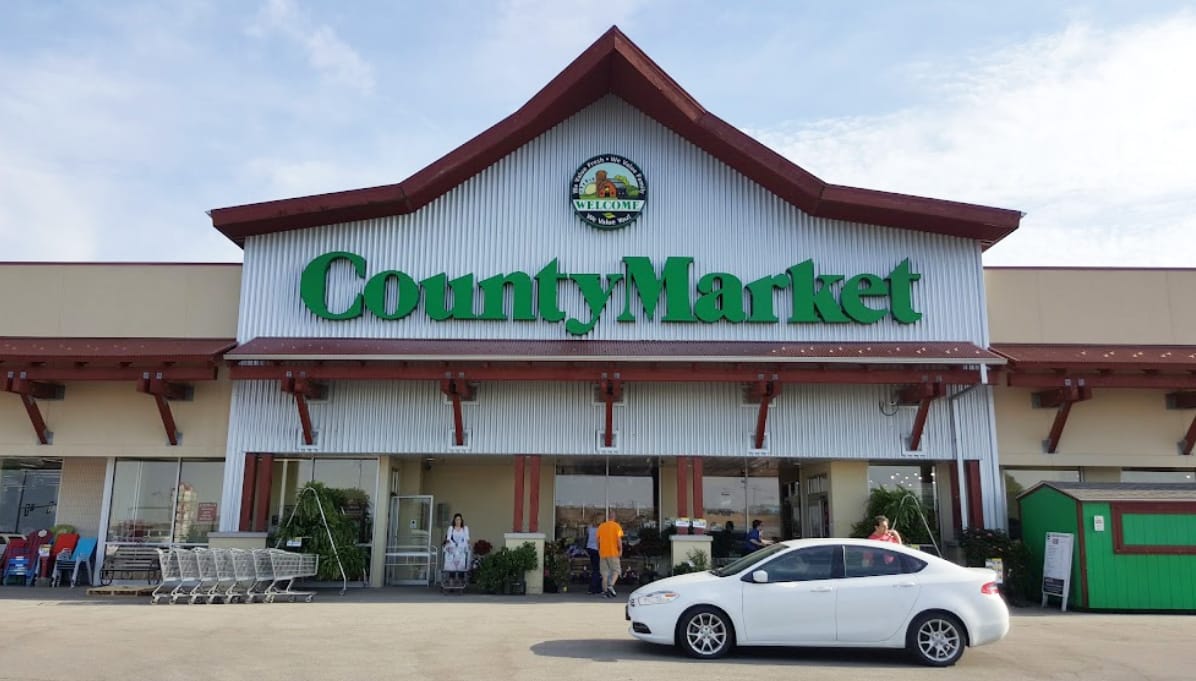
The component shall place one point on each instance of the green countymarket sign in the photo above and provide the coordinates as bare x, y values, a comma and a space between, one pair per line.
646, 291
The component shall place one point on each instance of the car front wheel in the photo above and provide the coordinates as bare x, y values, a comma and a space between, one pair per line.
705, 632
936, 639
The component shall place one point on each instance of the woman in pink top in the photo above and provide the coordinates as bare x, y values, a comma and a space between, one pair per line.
883, 533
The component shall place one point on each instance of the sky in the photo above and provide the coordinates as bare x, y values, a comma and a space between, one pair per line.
122, 123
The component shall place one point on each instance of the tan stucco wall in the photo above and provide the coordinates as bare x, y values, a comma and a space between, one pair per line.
113, 419
113, 300
1027, 305
80, 494
483, 492
1117, 428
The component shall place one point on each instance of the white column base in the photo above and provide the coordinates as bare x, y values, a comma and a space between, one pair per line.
683, 544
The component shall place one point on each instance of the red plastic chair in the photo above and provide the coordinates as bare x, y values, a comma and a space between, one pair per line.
63, 542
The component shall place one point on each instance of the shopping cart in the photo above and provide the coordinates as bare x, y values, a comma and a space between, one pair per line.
263, 575
226, 578
287, 568
188, 574
170, 576
205, 588
453, 581
244, 575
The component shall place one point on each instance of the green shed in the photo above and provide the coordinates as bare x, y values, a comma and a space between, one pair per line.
1134, 544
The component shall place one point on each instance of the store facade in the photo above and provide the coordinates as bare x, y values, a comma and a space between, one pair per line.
610, 300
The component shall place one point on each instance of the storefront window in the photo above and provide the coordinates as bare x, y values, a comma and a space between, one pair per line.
165, 501
588, 487
355, 479
198, 507
918, 480
1158, 475
735, 492
28, 494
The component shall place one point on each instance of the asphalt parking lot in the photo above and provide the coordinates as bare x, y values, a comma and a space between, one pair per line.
410, 635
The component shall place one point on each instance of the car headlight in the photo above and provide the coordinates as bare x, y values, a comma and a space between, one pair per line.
656, 598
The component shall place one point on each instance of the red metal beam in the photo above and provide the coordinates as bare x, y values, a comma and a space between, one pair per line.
161, 391
1061, 399
612, 391
956, 507
517, 522
699, 501
695, 373
457, 389
764, 391
303, 388
1129, 381
1185, 445
922, 395
248, 480
265, 480
55, 374
533, 494
682, 487
29, 392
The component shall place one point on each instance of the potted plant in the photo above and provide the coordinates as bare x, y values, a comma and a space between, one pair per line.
522, 561
556, 567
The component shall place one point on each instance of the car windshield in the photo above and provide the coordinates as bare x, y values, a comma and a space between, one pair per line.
749, 560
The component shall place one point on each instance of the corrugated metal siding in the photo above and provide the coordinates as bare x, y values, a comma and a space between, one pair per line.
515, 216
407, 417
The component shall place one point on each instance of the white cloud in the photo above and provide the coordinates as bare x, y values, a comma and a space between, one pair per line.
327, 53
1091, 132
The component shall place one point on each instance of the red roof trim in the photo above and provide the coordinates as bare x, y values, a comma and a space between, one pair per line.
44, 350
615, 65
332, 349
1063, 356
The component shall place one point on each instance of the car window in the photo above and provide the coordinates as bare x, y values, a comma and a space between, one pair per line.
817, 562
865, 561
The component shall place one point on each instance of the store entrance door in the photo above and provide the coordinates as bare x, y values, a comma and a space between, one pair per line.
411, 553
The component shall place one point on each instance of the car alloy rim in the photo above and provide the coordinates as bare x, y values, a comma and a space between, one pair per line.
938, 640
706, 633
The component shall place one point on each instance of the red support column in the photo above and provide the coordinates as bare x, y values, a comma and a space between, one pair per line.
956, 510
517, 523
682, 487
699, 509
265, 476
975, 497
533, 495
248, 483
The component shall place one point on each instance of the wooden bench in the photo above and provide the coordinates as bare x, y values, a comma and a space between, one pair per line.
131, 562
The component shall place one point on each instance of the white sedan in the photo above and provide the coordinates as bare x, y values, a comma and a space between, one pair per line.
826, 593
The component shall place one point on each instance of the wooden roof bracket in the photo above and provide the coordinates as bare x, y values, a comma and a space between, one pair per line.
303, 390
922, 394
611, 389
457, 389
1185, 400
18, 383
1061, 400
765, 390
155, 385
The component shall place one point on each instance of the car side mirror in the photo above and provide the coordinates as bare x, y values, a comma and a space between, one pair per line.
760, 576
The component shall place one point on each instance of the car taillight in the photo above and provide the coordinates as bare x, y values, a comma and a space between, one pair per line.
990, 589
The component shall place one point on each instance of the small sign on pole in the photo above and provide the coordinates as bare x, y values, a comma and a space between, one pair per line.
1056, 568
996, 565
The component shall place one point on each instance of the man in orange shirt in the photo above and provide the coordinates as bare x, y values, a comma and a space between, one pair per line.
610, 549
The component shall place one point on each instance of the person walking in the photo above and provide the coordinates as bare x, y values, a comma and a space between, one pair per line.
592, 552
610, 549
457, 550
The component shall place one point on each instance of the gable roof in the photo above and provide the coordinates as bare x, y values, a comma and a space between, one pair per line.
1120, 491
615, 65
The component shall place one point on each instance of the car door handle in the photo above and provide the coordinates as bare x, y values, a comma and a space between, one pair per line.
904, 585
821, 589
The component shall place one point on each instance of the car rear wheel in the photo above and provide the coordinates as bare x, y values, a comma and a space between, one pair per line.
705, 632
936, 639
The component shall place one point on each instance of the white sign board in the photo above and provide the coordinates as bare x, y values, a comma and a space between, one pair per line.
1056, 568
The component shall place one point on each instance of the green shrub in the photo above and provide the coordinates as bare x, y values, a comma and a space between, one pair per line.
901, 506
307, 525
695, 561
980, 544
506, 566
